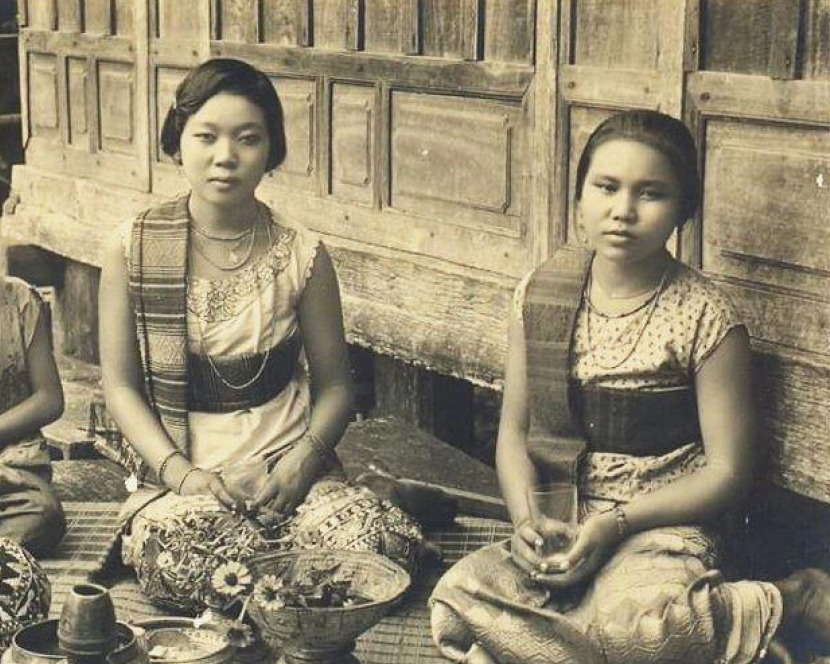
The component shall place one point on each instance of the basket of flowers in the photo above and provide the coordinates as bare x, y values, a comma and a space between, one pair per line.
314, 604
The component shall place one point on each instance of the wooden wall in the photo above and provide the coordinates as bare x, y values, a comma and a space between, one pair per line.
432, 142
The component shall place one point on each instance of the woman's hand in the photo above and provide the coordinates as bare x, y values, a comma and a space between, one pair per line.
524, 546
288, 484
595, 540
203, 482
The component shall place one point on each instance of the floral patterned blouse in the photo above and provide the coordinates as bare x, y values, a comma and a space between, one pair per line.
669, 339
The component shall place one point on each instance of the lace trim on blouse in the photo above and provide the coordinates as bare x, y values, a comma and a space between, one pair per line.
214, 300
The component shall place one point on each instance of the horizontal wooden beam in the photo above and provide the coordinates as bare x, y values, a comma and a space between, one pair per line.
399, 71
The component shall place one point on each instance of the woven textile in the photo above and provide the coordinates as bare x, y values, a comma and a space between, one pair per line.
402, 637
24, 590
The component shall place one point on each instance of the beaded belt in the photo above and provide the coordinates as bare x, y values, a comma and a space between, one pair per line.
224, 385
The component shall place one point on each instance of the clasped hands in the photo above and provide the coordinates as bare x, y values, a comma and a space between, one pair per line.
558, 555
248, 488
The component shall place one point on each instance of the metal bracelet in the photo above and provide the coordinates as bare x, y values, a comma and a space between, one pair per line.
622, 521
164, 463
184, 478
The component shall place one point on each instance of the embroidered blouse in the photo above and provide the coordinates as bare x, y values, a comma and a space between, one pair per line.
248, 312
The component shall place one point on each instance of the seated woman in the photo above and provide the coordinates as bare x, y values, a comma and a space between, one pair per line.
621, 349
225, 365
31, 518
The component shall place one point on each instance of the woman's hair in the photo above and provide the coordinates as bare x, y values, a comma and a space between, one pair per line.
670, 137
233, 77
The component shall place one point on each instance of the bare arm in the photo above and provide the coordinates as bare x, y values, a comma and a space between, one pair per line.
728, 424
123, 389
321, 322
727, 421
45, 404
515, 469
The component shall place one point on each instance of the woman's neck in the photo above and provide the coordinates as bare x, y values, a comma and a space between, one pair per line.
628, 280
218, 219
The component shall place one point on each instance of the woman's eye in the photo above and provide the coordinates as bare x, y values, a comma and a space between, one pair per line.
204, 136
250, 139
607, 187
651, 194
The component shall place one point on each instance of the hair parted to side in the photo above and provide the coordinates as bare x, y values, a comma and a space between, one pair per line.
234, 77
662, 132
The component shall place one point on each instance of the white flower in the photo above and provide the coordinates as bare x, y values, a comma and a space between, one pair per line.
131, 483
231, 579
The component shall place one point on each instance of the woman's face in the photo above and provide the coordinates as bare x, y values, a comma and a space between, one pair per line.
631, 201
224, 150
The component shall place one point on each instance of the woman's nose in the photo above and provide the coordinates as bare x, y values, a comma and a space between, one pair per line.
623, 206
224, 151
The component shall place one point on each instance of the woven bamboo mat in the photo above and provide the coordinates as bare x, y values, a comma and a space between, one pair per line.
403, 637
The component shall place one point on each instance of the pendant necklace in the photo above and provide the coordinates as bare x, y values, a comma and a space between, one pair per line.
247, 383
626, 333
236, 260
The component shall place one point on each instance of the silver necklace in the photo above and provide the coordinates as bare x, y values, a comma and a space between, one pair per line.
626, 332
273, 326
236, 261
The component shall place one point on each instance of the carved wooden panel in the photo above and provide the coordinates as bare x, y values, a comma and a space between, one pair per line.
116, 106
167, 80
766, 210
352, 143
509, 28
43, 94
330, 24
70, 16
816, 37
98, 16
457, 157
77, 79
299, 106
175, 19
239, 20
282, 22
623, 34
383, 26
123, 21
758, 37
42, 14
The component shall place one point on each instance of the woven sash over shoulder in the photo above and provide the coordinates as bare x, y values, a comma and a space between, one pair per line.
158, 295
553, 296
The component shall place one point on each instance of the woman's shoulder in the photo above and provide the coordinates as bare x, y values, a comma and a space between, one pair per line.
693, 288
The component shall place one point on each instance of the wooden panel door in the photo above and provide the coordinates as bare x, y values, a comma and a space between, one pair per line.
178, 35
411, 147
604, 68
759, 101
83, 83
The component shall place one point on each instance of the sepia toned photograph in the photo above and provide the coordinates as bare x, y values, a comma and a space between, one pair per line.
415, 331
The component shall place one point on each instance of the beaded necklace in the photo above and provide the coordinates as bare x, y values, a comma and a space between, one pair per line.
626, 333
236, 261
267, 354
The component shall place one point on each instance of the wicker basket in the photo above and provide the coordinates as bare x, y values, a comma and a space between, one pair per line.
318, 634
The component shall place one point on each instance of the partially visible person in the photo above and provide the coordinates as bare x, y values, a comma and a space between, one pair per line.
31, 518
30, 397
619, 349
225, 365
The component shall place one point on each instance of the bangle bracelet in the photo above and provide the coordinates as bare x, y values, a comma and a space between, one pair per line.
319, 447
622, 521
163, 464
187, 474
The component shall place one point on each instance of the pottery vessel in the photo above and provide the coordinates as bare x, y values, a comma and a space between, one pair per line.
206, 645
87, 624
38, 644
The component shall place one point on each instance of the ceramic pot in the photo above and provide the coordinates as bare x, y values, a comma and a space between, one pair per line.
38, 644
204, 645
87, 624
